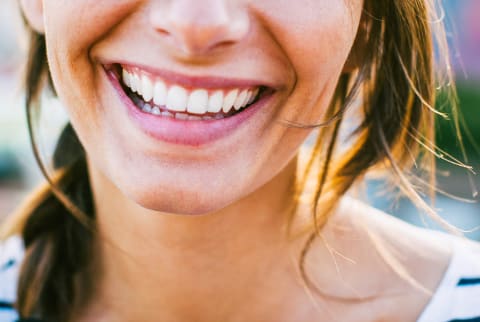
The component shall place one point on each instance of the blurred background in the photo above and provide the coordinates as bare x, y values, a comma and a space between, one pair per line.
19, 173
462, 207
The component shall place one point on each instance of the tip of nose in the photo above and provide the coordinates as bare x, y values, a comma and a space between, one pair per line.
201, 30
201, 41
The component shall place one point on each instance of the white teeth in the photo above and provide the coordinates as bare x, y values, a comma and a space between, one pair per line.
239, 102
177, 99
167, 114
250, 98
160, 94
147, 89
198, 101
181, 116
253, 96
135, 83
155, 97
147, 108
247, 99
229, 100
126, 77
215, 102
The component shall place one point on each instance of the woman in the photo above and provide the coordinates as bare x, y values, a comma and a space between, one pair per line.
178, 193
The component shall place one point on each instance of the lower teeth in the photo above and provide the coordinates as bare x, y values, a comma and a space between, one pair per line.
158, 111
155, 110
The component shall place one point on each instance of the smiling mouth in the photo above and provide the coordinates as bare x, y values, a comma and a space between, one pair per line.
156, 96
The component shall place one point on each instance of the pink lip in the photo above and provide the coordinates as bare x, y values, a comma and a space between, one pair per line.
182, 132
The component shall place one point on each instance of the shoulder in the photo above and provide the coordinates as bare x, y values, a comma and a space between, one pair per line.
447, 267
11, 255
457, 297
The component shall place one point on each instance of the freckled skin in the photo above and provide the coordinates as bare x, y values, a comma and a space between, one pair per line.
300, 48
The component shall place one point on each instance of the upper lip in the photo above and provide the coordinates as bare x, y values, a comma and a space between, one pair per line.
193, 81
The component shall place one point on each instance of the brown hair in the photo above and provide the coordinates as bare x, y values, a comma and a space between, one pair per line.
397, 84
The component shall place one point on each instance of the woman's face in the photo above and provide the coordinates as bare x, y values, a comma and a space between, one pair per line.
153, 88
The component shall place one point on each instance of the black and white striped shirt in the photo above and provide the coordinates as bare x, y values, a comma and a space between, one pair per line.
457, 298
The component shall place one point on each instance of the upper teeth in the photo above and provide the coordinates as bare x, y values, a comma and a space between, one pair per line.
179, 99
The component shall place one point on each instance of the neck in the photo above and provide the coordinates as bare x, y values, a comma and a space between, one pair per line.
154, 263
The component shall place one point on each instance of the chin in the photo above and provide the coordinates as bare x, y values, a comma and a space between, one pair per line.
186, 202
168, 189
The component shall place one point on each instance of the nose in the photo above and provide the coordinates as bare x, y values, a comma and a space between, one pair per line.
197, 27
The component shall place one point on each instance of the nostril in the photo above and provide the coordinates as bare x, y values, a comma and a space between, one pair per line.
158, 22
163, 32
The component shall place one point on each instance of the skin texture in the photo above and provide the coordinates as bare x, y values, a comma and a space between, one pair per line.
255, 42
231, 262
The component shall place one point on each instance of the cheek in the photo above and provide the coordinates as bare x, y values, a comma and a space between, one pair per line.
83, 22
72, 28
320, 45
317, 37
313, 28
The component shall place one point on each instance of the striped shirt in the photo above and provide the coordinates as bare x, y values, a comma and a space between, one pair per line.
457, 298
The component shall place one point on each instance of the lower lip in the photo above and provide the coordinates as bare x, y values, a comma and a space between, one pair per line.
192, 133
